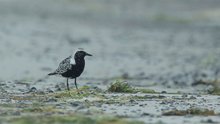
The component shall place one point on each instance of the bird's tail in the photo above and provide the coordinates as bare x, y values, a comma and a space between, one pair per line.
53, 73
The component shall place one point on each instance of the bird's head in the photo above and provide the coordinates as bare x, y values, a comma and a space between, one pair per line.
81, 54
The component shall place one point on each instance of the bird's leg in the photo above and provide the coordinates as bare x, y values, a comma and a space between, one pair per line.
76, 86
67, 84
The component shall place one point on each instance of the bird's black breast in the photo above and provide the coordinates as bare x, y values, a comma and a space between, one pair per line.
75, 71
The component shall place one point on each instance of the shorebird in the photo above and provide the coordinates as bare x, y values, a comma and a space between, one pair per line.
72, 67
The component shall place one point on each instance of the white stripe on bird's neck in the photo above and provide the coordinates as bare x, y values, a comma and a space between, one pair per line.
72, 60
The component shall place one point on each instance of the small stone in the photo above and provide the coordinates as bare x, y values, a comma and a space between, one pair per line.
210, 89
132, 101
76, 103
33, 89
198, 95
208, 121
184, 95
163, 102
141, 105
164, 92
145, 114
49, 90
161, 96
192, 97
41, 92
57, 87
52, 100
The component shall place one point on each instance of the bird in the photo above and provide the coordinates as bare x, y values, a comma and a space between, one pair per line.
72, 67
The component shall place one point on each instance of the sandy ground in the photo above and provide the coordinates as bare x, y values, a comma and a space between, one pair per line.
163, 45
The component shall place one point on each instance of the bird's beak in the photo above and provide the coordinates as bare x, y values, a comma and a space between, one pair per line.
87, 54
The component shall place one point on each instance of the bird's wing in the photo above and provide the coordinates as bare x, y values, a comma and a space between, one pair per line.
64, 66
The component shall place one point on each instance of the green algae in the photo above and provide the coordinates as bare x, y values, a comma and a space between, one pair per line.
72, 93
71, 119
40, 109
145, 90
51, 119
215, 86
191, 111
121, 86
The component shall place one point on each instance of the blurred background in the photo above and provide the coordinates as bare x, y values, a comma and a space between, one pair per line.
163, 42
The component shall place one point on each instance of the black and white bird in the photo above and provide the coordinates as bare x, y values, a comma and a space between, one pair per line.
72, 67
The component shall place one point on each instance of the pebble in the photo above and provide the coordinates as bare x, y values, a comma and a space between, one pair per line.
132, 101
52, 100
49, 90
161, 97
163, 102
145, 114
192, 97
198, 95
33, 89
163, 92
184, 95
208, 121
76, 103
57, 88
